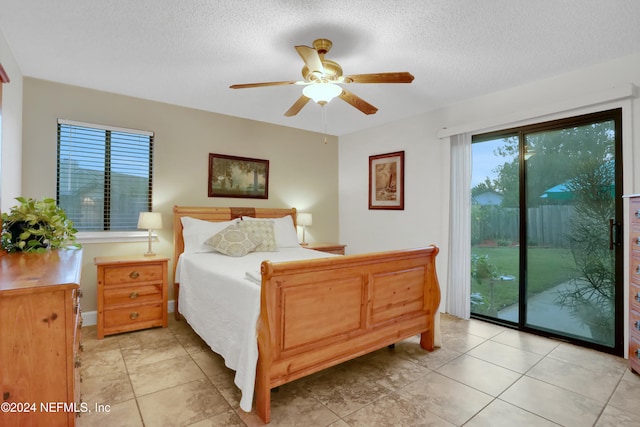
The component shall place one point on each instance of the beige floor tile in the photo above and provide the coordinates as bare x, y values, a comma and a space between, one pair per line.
225, 419
502, 414
343, 392
553, 403
506, 356
562, 384
386, 368
590, 359
123, 414
528, 342
147, 351
478, 374
448, 399
221, 377
110, 389
625, 397
431, 360
614, 417
461, 341
98, 363
593, 384
165, 374
393, 410
293, 405
191, 342
182, 405
145, 336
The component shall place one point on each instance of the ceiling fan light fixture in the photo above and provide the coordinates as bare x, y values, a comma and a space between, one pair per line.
322, 93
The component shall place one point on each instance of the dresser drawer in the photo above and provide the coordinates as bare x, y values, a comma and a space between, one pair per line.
634, 296
634, 324
634, 353
634, 211
133, 315
133, 274
634, 269
132, 294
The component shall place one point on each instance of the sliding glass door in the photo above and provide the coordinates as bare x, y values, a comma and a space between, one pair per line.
546, 216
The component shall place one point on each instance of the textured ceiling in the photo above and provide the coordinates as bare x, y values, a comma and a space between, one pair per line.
188, 52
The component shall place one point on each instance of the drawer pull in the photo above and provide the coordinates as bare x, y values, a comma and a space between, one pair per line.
638, 269
133, 295
637, 324
638, 297
637, 352
6, 395
638, 213
134, 315
135, 274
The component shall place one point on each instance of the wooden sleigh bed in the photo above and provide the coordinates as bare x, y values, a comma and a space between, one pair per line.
321, 312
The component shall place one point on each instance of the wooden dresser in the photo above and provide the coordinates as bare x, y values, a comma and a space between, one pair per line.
132, 293
634, 283
40, 323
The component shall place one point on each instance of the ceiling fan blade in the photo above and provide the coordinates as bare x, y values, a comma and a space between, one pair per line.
311, 59
297, 106
357, 102
401, 77
248, 85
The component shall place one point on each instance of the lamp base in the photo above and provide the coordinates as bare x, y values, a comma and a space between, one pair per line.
149, 254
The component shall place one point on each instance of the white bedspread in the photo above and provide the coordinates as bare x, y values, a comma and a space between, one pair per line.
220, 299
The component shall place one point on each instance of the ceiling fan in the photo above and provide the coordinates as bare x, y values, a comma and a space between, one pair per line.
322, 77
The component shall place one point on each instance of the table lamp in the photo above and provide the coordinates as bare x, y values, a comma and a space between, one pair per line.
149, 221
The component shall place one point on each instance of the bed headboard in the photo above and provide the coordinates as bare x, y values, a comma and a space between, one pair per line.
219, 214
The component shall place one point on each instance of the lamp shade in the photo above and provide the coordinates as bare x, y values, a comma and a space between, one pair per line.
150, 221
304, 219
322, 92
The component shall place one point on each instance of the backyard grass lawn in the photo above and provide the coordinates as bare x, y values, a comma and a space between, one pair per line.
547, 268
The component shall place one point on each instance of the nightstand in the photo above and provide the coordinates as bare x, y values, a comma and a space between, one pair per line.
132, 293
331, 248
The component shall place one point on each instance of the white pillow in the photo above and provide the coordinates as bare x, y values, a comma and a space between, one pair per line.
196, 231
233, 241
285, 232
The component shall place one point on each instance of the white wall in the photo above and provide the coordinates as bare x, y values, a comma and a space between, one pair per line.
11, 134
303, 170
425, 218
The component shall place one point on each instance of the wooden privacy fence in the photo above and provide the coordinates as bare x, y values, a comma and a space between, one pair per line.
548, 225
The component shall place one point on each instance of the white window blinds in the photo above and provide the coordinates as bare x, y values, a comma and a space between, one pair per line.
104, 177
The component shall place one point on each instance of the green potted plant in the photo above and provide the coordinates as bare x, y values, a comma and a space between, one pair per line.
36, 226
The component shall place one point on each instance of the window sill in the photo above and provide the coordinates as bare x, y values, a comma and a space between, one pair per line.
85, 237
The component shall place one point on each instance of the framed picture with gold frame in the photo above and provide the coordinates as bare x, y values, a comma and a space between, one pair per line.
386, 181
231, 176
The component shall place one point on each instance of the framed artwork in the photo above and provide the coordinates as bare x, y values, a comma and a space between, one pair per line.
231, 176
386, 181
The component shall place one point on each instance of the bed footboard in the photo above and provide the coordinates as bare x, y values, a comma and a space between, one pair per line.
317, 313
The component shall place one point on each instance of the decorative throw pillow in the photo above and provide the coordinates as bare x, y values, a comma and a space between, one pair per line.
286, 234
263, 230
233, 241
196, 231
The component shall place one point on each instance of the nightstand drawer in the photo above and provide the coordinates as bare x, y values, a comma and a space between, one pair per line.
132, 294
133, 274
132, 315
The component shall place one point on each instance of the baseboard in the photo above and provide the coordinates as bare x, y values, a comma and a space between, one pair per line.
90, 318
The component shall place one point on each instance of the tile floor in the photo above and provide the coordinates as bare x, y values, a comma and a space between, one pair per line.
484, 375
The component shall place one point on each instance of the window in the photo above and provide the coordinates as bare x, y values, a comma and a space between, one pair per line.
104, 177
